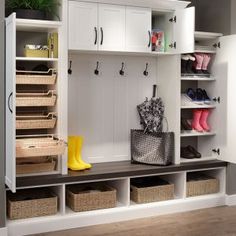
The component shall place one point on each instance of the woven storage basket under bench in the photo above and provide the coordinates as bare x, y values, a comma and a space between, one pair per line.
36, 146
151, 189
35, 165
36, 77
31, 203
35, 121
87, 197
201, 184
36, 99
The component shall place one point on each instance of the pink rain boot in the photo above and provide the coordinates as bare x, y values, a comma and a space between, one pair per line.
196, 120
198, 63
205, 64
204, 118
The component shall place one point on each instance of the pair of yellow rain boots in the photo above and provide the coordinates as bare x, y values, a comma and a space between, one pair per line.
75, 161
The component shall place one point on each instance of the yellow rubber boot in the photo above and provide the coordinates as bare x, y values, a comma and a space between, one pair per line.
79, 143
72, 163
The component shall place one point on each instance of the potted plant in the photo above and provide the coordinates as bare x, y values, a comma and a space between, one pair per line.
33, 9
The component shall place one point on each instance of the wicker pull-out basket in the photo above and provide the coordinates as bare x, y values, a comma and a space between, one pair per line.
151, 189
36, 99
31, 203
89, 197
36, 121
35, 165
39, 146
36, 77
201, 184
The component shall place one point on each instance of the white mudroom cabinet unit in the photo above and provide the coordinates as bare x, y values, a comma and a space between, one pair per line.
107, 47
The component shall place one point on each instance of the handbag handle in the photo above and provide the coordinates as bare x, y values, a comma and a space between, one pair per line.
167, 125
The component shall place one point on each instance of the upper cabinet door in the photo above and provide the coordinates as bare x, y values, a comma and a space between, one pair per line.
224, 72
10, 178
184, 28
111, 20
83, 31
138, 29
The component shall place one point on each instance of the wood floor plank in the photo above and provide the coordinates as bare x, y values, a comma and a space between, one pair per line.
220, 221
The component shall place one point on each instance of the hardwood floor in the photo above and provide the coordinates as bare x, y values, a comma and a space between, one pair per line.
220, 221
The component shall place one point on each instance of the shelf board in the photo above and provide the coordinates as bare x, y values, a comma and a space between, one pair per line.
123, 53
206, 35
193, 133
35, 59
112, 170
195, 106
197, 78
205, 51
184, 160
36, 25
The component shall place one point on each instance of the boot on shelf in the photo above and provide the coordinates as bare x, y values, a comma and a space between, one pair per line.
72, 163
196, 120
78, 155
190, 64
204, 120
198, 63
184, 61
205, 64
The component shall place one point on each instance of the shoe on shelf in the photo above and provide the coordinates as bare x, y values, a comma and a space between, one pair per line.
205, 64
194, 151
185, 124
206, 98
198, 63
185, 100
184, 62
204, 120
186, 153
197, 113
195, 97
189, 152
199, 97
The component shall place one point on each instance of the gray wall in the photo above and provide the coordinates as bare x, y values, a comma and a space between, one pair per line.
2, 110
213, 15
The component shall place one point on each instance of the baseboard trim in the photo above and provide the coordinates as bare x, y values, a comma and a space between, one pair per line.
230, 200
3, 231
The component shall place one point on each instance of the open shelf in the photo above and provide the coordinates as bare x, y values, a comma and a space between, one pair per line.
193, 133
195, 106
35, 59
36, 25
184, 160
206, 35
205, 51
197, 78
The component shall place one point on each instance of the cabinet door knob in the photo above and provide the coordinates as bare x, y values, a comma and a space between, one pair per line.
173, 45
96, 35
150, 38
173, 19
101, 43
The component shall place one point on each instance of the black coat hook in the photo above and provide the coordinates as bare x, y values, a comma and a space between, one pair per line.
122, 73
70, 68
145, 73
96, 71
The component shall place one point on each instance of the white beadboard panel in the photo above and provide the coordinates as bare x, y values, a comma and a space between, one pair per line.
103, 108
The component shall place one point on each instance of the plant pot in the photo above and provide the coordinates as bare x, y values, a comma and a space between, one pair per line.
30, 14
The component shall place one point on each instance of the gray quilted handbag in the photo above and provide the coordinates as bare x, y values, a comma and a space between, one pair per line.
152, 148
